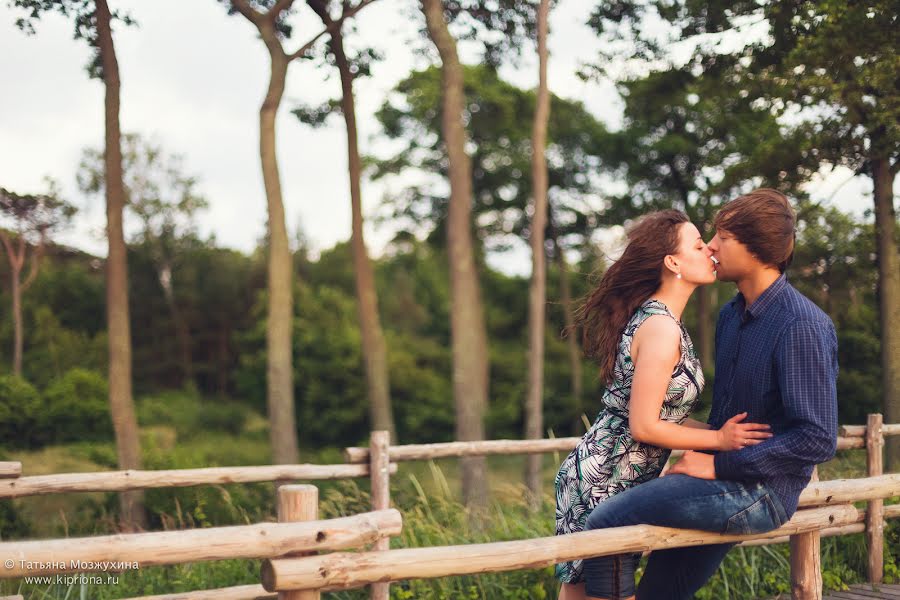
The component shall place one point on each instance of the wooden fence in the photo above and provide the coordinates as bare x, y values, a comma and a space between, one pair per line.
304, 556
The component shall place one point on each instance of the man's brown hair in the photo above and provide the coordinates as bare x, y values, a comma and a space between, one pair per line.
764, 222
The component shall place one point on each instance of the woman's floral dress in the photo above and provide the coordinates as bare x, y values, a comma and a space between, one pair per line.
608, 460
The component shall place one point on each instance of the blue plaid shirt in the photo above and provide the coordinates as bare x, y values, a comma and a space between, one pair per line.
777, 361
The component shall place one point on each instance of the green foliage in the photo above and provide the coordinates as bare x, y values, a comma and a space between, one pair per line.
77, 407
21, 413
12, 524
190, 415
421, 396
53, 349
499, 117
832, 249
84, 16
73, 407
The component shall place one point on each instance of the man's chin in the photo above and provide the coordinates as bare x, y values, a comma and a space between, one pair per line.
724, 276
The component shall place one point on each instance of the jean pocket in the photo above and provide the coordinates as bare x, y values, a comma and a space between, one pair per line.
759, 517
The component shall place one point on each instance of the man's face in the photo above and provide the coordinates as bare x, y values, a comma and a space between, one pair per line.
734, 259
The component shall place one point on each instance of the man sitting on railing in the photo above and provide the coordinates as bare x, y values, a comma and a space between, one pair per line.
776, 360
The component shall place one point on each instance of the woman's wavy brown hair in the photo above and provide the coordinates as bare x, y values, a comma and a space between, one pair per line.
626, 285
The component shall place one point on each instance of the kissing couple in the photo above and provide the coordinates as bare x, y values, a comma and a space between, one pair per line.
774, 411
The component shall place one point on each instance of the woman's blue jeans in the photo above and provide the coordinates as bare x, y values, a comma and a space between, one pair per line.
684, 502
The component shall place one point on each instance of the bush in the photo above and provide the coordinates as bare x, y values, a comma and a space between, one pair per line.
224, 416
77, 408
20, 413
186, 412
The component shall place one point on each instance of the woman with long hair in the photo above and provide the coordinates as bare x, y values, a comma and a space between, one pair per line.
631, 324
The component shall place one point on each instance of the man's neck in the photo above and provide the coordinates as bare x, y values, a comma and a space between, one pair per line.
752, 286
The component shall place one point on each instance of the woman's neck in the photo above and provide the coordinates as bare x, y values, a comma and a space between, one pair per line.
674, 296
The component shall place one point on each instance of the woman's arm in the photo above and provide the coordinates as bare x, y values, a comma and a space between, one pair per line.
695, 424
656, 350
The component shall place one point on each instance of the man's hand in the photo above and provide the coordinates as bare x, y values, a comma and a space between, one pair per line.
695, 464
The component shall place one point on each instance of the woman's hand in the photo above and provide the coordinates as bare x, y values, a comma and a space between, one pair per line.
735, 435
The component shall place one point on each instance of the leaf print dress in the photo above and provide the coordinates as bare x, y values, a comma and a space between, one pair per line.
608, 459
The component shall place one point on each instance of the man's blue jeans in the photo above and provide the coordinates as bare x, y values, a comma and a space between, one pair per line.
687, 503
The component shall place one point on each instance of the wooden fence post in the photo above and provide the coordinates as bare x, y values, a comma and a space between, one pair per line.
379, 466
875, 512
806, 562
298, 503
10, 470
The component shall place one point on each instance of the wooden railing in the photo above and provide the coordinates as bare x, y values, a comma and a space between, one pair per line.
292, 572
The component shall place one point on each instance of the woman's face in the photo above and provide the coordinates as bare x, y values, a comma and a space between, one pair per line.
694, 258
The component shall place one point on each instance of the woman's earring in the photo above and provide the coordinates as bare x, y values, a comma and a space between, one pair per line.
678, 275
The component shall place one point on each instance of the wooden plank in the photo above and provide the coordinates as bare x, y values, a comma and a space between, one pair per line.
118, 481
875, 511
344, 570
10, 470
889, 591
456, 449
407, 452
866, 591
840, 491
238, 592
891, 429
298, 503
264, 540
862, 590
806, 562
381, 497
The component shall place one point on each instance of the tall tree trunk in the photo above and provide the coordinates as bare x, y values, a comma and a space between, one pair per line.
575, 367
279, 327
222, 361
381, 414
18, 287
537, 294
467, 325
182, 331
18, 341
121, 402
16, 260
889, 298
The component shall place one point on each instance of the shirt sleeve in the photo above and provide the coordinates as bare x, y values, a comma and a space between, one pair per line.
806, 360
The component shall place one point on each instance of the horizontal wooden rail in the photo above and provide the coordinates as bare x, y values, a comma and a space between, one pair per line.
264, 540
890, 512
357, 455
237, 592
407, 452
258, 592
342, 570
10, 470
887, 429
839, 491
118, 481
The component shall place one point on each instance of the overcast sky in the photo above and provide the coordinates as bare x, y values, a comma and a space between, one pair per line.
193, 78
